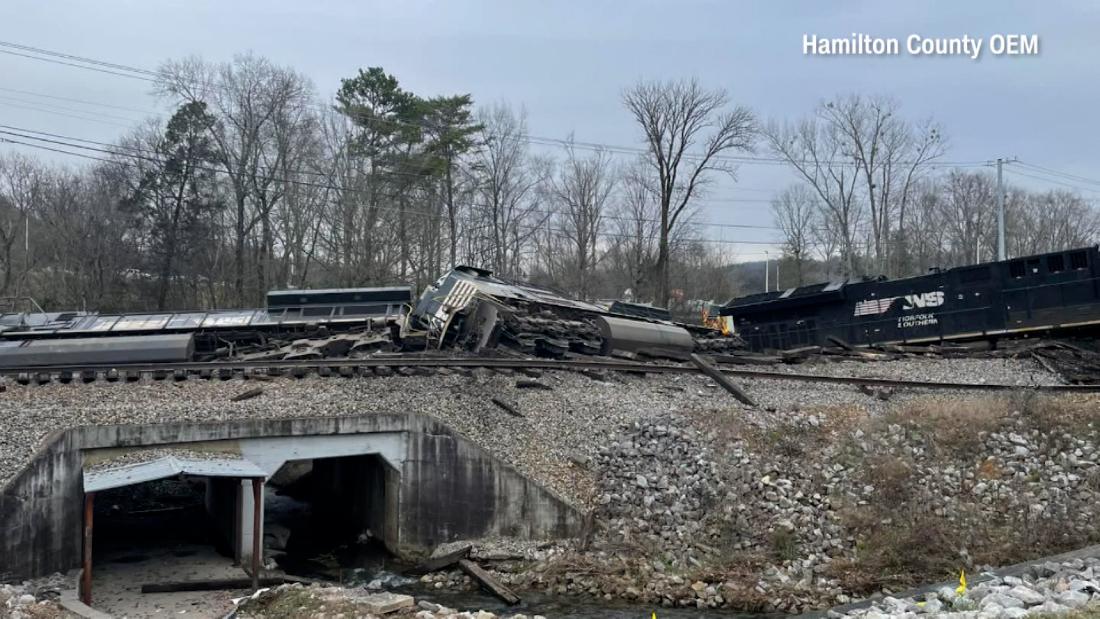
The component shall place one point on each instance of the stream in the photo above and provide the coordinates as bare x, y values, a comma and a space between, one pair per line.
308, 552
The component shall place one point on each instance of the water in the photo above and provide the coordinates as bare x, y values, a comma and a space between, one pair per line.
564, 607
358, 569
358, 563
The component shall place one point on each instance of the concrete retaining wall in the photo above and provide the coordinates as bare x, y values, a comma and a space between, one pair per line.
447, 487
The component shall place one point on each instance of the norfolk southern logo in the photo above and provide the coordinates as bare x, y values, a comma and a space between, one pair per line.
875, 307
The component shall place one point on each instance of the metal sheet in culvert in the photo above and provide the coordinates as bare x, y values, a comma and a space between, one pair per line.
98, 350
632, 335
109, 477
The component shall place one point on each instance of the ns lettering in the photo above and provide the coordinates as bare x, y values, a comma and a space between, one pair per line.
926, 299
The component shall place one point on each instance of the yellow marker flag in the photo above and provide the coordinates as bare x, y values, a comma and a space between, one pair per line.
961, 589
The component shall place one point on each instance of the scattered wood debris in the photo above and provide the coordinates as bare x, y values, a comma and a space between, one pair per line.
717, 376
247, 395
508, 408
441, 562
492, 585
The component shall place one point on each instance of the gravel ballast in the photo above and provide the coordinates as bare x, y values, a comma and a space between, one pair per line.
696, 500
559, 429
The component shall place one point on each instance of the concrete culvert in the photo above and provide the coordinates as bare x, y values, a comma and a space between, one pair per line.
328, 518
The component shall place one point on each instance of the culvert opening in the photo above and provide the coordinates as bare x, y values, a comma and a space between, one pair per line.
330, 518
156, 533
165, 515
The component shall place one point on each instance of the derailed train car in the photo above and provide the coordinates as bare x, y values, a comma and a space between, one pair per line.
467, 309
470, 308
1010, 298
37, 337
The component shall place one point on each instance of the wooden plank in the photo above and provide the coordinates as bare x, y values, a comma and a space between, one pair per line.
247, 395
663, 353
508, 408
214, 584
839, 342
1046, 364
717, 376
746, 359
441, 562
492, 585
798, 354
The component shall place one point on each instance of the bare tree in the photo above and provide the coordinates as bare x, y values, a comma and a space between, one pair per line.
817, 152
634, 224
966, 213
890, 154
581, 192
794, 212
1049, 221
507, 178
926, 234
676, 118
253, 101
21, 187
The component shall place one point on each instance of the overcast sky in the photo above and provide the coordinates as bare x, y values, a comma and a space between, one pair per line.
567, 62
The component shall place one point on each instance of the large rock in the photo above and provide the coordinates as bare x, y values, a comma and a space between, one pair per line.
1026, 595
1073, 599
1000, 600
384, 603
1050, 607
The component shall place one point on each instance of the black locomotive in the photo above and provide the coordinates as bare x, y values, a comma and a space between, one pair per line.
1010, 298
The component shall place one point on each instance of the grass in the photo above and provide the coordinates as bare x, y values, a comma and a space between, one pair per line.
784, 544
954, 427
901, 540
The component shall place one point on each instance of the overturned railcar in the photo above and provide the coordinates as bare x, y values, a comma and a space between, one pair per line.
1045, 292
470, 308
290, 314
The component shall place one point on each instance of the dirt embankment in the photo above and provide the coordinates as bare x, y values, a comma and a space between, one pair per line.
830, 503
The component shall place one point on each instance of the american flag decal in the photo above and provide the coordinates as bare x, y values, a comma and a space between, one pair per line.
873, 307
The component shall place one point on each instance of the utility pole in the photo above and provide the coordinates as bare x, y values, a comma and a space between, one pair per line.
1000, 210
767, 286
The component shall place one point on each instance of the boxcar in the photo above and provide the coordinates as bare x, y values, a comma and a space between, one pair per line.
1051, 291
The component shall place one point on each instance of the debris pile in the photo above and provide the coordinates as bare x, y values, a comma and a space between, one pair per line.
36, 599
355, 344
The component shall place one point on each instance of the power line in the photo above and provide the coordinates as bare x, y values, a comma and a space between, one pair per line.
69, 109
56, 113
349, 190
531, 139
1052, 180
155, 157
83, 59
115, 148
82, 101
1053, 172
78, 66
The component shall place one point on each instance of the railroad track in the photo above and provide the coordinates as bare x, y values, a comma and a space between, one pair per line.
352, 367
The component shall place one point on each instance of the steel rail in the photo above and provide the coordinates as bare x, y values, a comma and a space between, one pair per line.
416, 361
